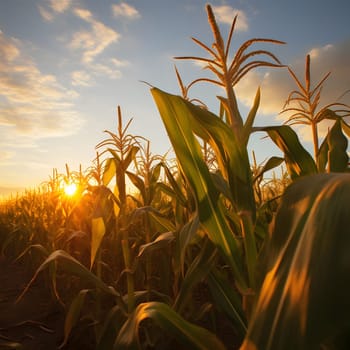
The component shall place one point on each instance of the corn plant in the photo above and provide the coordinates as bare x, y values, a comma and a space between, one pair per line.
228, 138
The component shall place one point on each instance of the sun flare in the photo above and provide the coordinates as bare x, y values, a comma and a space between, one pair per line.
70, 189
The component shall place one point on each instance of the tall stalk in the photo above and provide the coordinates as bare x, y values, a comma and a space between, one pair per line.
234, 165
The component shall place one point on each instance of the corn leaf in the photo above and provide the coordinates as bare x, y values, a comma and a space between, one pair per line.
304, 299
227, 300
190, 335
163, 240
72, 266
137, 182
174, 185
248, 125
112, 322
73, 314
272, 163
230, 152
338, 144
298, 161
322, 155
177, 118
196, 272
98, 230
109, 171
162, 223
345, 127
185, 236
130, 156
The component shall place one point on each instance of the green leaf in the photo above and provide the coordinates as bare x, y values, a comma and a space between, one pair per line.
112, 322
38, 247
98, 231
338, 144
185, 236
73, 314
137, 182
174, 185
71, 266
186, 333
322, 155
231, 154
109, 171
248, 125
304, 299
345, 127
272, 163
130, 156
178, 120
161, 222
160, 242
227, 300
196, 272
298, 161
155, 173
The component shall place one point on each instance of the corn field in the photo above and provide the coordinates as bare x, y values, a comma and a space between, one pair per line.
209, 250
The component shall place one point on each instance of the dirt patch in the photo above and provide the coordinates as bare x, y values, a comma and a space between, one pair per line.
36, 321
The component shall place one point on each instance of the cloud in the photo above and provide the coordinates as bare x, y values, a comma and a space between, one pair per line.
119, 63
226, 14
277, 83
95, 41
106, 70
60, 5
33, 104
82, 78
84, 14
125, 10
90, 43
53, 7
46, 14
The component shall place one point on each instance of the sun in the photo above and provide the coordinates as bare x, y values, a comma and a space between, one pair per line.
70, 189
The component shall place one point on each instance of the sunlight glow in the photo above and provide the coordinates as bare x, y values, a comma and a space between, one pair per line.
70, 189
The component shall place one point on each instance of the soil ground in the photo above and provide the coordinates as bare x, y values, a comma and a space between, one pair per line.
35, 321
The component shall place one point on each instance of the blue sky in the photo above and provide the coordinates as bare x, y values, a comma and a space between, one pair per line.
65, 66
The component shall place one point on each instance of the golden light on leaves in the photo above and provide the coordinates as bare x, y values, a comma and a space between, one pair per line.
70, 189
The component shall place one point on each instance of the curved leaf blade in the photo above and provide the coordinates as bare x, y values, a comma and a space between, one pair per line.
167, 319
307, 268
298, 161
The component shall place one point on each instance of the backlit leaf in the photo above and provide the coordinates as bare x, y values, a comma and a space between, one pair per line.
98, 230
186, 333
304, 299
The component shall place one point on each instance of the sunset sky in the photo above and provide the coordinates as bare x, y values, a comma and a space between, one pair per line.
65, 66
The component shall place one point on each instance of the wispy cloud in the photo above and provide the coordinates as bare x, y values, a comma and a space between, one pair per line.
226, 14
45, 13
60, 5
33, 104
91, 42
53, 7
125, 10
81, 78
277, 84
94, 41
84, 14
